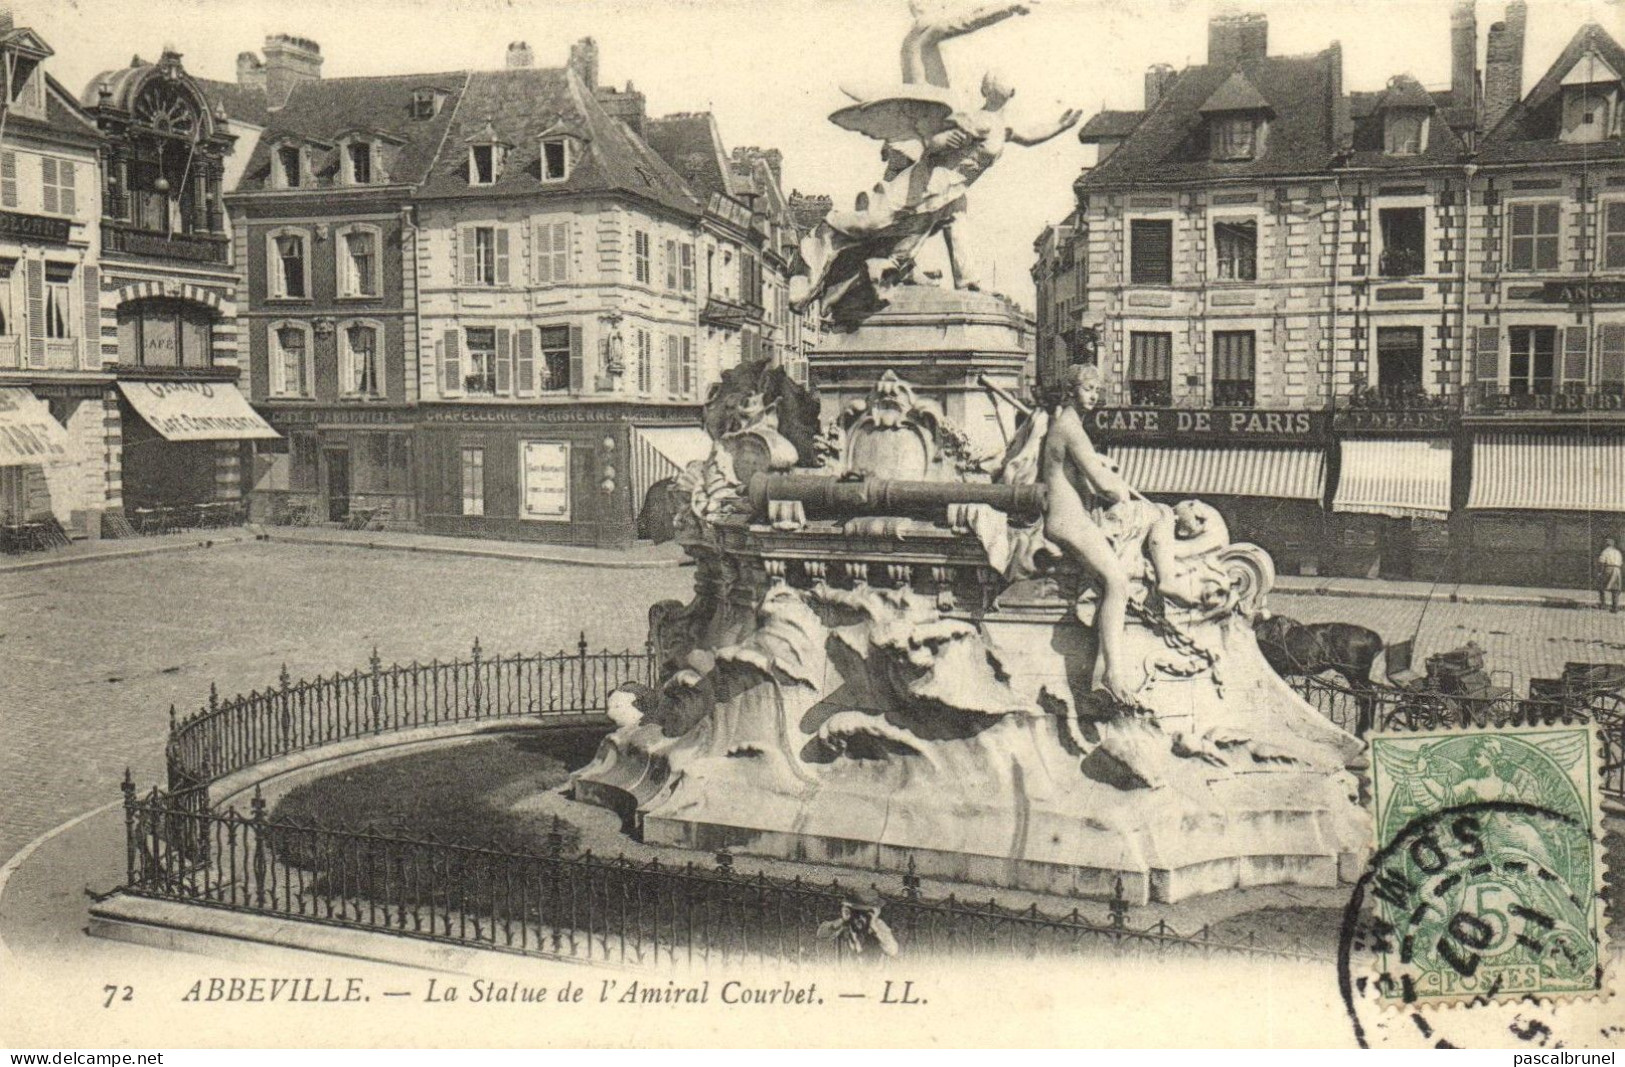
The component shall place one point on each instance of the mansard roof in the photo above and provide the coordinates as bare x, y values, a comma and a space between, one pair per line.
691, 145
1529, 132
1109, 126
1367, 113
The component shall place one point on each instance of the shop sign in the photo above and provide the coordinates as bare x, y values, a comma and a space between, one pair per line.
34, 227
544, 472
1604, 292
1207, 424
345, 415
1372, 420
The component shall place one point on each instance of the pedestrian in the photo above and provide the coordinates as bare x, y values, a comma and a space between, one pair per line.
1609, 565
860, 929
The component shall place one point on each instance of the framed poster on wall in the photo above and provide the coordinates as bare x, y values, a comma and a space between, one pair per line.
544, 480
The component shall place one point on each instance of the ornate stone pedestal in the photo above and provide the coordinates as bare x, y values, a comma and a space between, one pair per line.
942, 341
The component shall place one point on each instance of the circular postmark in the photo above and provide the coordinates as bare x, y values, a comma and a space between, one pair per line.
1474, 926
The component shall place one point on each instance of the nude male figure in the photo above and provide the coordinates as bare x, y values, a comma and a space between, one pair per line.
1074, 472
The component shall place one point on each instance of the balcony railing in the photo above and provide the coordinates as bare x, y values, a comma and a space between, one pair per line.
1394, 398
1233, 394
11, 353
1150, 394
130, 240
1492, 398
62, 353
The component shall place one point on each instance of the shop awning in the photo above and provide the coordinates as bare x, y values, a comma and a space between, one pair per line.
1533, 472
1289, 473
28, 432
196, 411
1403, 479
662, 452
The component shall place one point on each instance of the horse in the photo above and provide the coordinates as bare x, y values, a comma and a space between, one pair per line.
1349, 651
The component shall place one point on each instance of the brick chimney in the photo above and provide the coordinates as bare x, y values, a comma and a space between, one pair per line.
520, 56
1463, 55
1233, 40
289, 61
1503, 64
747, 156
250, 71
584, 61
627, 105
1158, 77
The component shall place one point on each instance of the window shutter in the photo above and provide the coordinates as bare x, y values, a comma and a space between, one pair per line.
8, 179
1574, 354
90, 350
671, 264
578, 362
688, 367
1487, 355
561, 251
36, 314
502, 254
543, 273
471, 262
48, 167
273, 356
673, 369
65, 181
451, 366
1611, 354
504, 362
525, 362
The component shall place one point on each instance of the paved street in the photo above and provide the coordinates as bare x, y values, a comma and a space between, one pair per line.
94, 654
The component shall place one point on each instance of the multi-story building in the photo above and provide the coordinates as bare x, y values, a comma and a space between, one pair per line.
326, 230
1290, 324
58, 408
484, 301
169, 294
1060, 276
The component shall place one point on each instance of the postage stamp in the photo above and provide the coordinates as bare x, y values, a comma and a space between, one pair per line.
1486, 882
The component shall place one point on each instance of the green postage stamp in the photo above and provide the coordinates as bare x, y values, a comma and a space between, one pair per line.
1487, 877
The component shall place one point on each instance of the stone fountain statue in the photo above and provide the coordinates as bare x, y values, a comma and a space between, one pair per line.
935, 148
1033, 677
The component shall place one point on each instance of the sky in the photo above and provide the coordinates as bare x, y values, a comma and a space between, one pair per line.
771, 70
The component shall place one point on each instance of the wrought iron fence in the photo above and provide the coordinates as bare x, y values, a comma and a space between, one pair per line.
1390, 708
586, 907
227, 736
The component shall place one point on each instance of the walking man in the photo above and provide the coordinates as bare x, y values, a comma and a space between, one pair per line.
1609, 565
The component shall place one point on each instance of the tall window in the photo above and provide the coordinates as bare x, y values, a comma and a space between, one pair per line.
1404, 241
8, 179
1532, 358
360, 153
289, 166
1150, 369
1234, 137
671, 265
645, 362
58, 300
473, 471
59, 186
1236, 244
165, 333
686, 383
555, 359
363, 374
1233, 368
1399, 360
1404, 132
552, 252
685, 259
287, 273
640, 256
8, 319
482, 360
290, 360
1533, 235
555, 160
1611, 358
358, 263
485, 255
1613, 235
1151, 251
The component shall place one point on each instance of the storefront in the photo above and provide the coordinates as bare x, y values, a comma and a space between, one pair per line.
33, 447
557, 473
1392, 501
181, 445
1265, 471
338, 464
1541, 503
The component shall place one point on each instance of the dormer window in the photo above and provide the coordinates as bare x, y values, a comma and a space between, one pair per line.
1237, 115
1404, 132
289, 169
1591, 101
426, 102
555, 159
1235, 137
358, 158
482, 164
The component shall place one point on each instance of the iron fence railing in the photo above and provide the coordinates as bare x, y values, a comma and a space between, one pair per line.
228, 736
586, 907
1391, 708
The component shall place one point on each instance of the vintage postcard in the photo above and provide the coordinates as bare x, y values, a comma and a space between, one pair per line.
812, 523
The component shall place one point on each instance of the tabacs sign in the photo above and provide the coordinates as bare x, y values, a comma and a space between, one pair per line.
1228, 424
